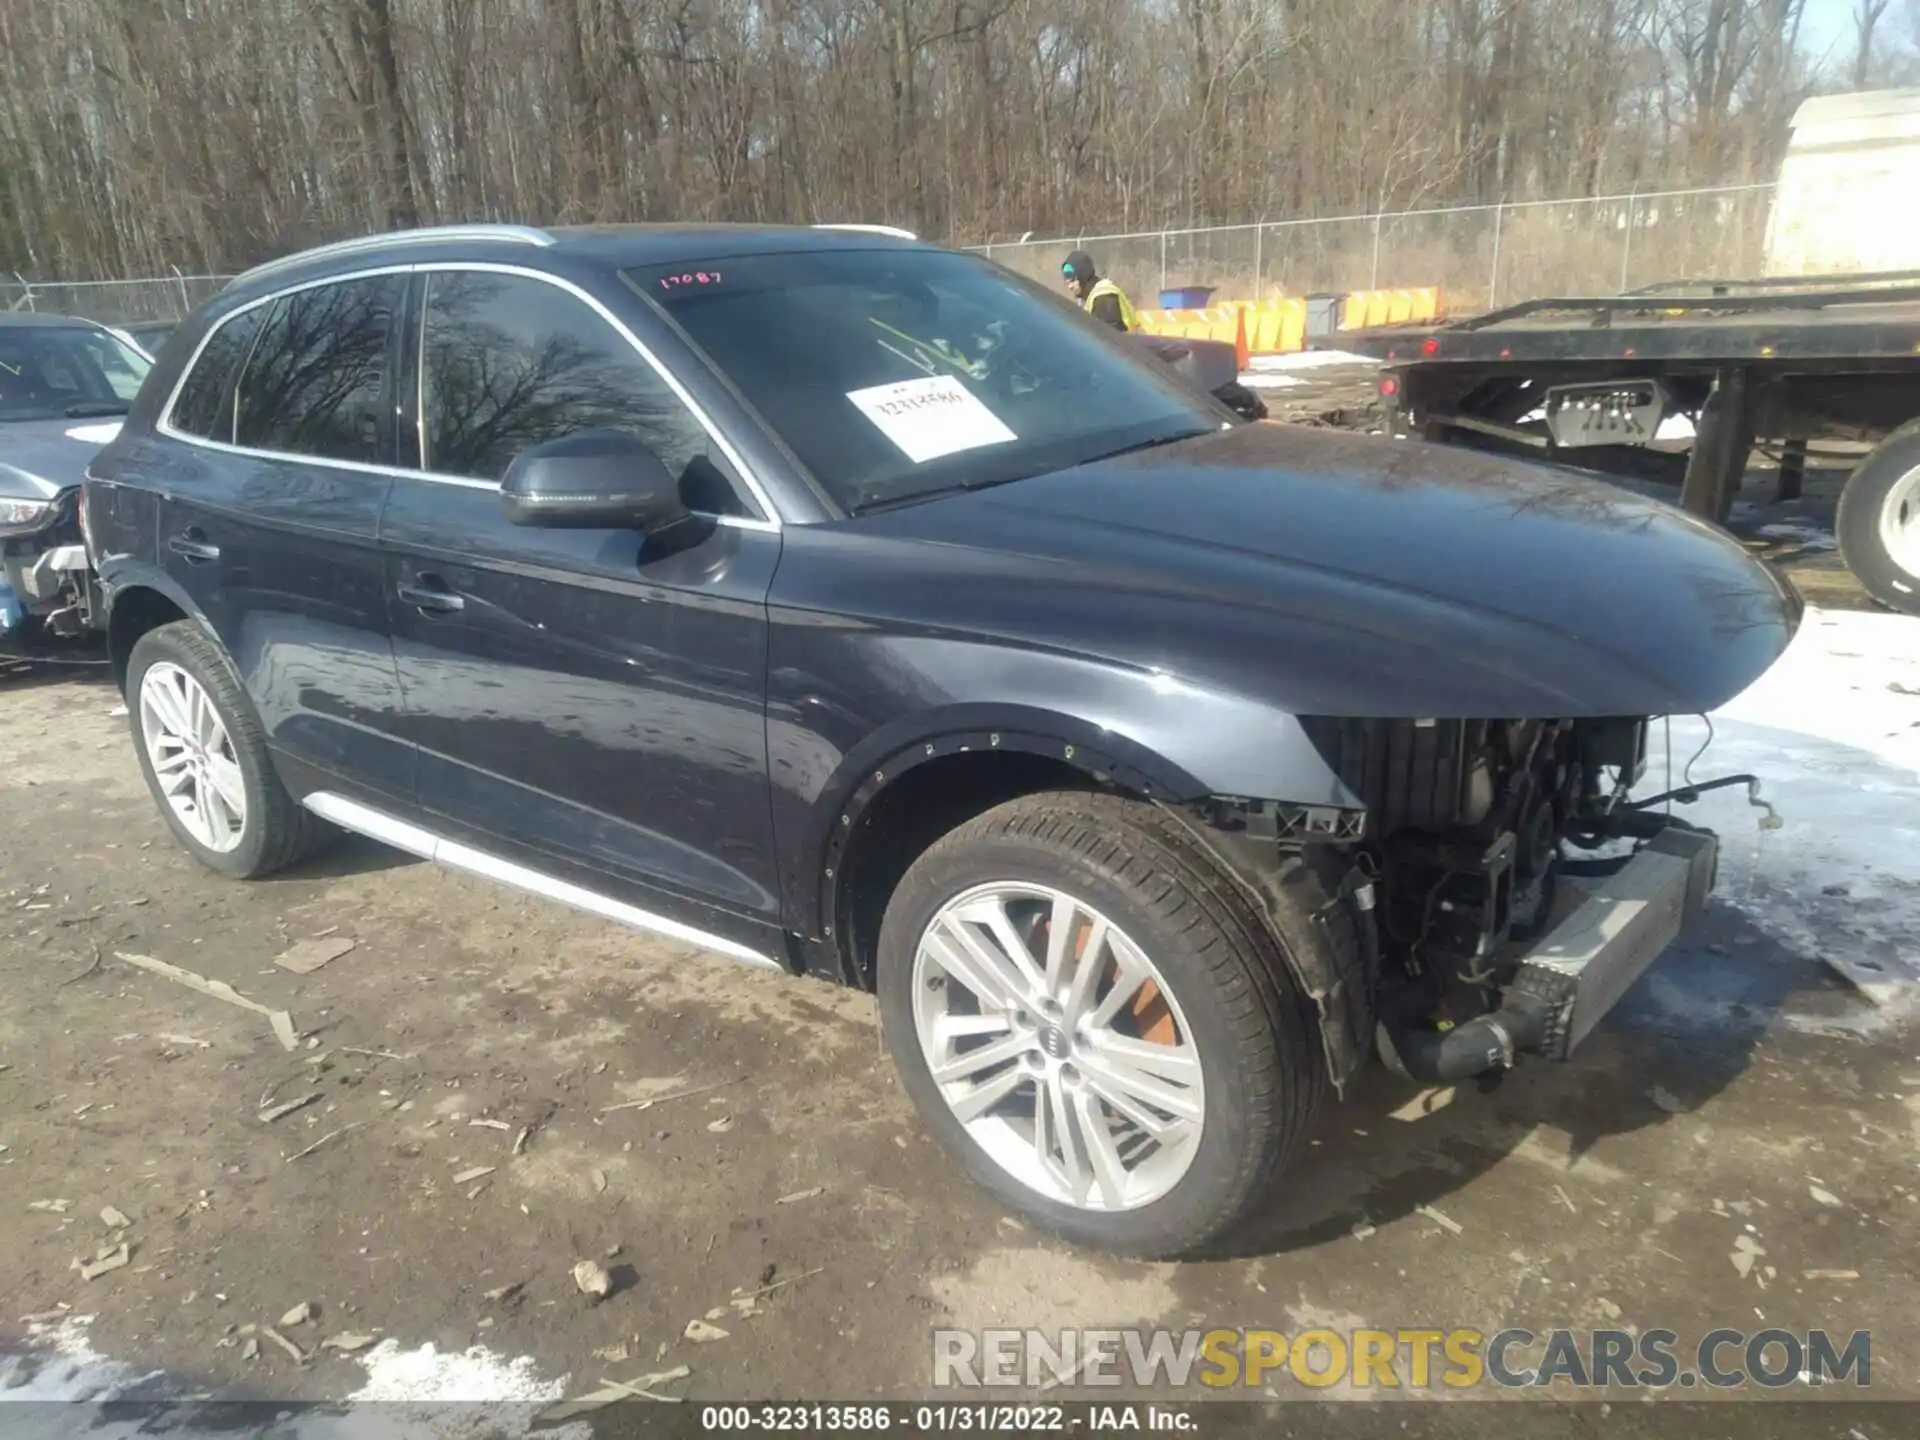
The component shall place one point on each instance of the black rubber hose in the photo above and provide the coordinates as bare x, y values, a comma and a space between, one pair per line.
1489, 1042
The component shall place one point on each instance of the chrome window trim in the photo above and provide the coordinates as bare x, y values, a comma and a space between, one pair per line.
165, 426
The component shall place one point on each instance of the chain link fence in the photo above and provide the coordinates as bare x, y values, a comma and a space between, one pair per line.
112, 302
1480, 255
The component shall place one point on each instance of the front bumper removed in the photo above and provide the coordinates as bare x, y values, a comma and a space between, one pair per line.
1566, 984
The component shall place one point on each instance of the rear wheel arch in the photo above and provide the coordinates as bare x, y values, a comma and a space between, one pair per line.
136, 610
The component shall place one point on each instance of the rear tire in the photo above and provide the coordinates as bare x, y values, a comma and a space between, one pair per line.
1222, 1003
219, 794
1878, 524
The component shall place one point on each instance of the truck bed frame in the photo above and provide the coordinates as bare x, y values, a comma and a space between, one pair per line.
1783, 359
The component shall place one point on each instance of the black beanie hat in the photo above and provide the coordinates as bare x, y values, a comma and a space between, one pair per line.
1079, 265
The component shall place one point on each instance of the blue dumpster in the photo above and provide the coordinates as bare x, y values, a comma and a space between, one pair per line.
1190, 297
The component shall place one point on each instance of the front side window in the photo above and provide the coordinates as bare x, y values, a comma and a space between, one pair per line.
895, 374
54, 372
508, 362
316, 382
204, 406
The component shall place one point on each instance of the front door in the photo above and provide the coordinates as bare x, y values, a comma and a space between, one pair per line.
596, 697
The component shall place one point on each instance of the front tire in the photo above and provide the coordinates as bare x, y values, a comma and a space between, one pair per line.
205, 759
1093, 1021
1878, 524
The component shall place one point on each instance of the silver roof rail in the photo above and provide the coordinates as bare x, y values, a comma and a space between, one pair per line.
426, 235
892, 230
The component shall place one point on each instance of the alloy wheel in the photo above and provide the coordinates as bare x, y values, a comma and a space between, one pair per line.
193, 757
1058, 1045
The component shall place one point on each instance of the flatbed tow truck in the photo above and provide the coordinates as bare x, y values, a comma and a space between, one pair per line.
1821, 365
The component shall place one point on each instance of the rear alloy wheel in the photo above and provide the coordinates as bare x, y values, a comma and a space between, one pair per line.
1094, 1023
205, 757
192, 758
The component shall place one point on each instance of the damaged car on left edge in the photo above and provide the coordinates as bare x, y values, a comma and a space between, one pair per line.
64, 383
846, 607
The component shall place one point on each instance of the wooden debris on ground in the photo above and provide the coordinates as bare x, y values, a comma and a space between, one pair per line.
113, 1257
280, 1020
304, 957
267, 1117
285, 1344
644, 1387
652, 1101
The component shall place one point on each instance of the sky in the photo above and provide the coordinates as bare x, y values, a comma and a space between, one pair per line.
1827, 25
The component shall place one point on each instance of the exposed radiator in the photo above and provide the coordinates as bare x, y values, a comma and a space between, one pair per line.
1410, 773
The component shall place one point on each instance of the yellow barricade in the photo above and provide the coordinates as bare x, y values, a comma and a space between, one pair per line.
1276, 327
1367, 309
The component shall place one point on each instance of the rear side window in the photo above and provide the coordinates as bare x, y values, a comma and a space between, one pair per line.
509, 362
316, 384
205, 404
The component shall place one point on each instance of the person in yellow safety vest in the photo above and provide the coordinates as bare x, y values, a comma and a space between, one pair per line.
1103, 299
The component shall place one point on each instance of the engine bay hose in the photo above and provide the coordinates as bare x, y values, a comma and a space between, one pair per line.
1487, 1042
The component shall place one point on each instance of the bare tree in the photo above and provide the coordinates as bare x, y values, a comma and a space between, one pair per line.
208, 133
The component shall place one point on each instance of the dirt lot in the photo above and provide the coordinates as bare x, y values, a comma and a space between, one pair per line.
1736, 1148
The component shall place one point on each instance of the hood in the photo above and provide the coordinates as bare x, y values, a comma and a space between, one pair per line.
40, 458
1338, 574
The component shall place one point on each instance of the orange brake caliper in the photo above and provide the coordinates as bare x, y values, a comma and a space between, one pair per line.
1152, 1016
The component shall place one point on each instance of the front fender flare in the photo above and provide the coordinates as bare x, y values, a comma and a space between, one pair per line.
899, 749
1285, 768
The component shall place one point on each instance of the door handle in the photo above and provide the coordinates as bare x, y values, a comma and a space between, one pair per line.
431, 597
193, 546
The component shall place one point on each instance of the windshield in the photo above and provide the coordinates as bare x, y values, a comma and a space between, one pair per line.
897, 374
55, 372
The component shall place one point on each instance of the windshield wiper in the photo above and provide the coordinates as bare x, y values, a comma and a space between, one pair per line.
914, 497
1139, 445
90, 409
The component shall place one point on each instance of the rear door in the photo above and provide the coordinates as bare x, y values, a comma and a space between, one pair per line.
593, 697
274, 463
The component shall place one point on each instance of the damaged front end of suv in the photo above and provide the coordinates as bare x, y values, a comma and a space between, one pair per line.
1507, 890
1422, 678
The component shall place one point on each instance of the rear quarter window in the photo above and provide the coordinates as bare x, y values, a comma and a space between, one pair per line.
204, 406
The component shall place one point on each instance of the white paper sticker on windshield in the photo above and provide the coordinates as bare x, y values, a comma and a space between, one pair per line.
931, 417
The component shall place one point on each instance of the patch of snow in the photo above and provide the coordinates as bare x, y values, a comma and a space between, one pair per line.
1806, 536
465, 1395
1311, 360
1257, 381
61, 1365
476, 1374
1834, 735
